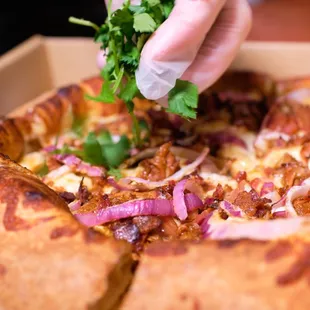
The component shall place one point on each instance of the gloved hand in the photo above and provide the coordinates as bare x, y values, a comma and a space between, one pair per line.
196, 43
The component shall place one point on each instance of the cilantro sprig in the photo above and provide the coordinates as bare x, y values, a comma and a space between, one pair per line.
100, 149
122, 37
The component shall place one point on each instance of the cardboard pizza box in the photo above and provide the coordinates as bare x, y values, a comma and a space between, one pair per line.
44, 63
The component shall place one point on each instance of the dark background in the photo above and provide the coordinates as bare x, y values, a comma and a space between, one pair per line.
20, 21
274, 20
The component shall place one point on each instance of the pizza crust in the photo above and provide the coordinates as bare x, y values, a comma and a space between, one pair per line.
48, 260
239, 274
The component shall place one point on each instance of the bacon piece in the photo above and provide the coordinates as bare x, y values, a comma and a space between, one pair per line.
161, 166
292, 171
252, 204
286, 123
302, 205
147, 224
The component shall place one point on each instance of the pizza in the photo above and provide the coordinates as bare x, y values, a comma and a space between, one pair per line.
211, 213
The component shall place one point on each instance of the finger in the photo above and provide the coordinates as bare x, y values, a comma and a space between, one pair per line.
116, 4
221, 44
173, 47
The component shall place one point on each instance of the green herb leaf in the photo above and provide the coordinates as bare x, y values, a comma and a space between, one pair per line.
116, 153
136, 9
116, 173
183, 99
129, 92
153, 2
144, 23
66, 150
106, 95
123, 18
167, 6
105, 138
130, 57
43, 171
92, 151
78, 126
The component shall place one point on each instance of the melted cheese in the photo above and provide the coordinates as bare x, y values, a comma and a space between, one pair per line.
69, 183
33, 161
274, 156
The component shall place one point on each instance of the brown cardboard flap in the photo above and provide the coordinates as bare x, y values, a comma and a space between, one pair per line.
279, 59
24, 74
44, 63
71, 59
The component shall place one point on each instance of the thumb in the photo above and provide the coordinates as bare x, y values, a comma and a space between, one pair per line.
174, 46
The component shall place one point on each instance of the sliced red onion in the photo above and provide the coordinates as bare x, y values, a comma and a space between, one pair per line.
119, 186
267, 188
281, 214
80, 166
159, 207
213, 228
273, 196
54, 174
286, 202
193, 202
225, 137
230, 209
179, 203
49, 149
266, 135
187, 170
74, 205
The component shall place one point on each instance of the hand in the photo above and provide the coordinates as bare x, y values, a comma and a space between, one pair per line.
197, 43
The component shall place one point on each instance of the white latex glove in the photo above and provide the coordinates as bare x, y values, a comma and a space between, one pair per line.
197, 43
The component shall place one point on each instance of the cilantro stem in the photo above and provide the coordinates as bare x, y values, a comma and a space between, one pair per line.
118, 80
113, 50
83, 22
137, 131
109, 8
141, 40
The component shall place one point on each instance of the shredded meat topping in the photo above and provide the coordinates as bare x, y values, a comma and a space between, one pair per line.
252, 204
147, 223
292, 171
161, 166
302, 205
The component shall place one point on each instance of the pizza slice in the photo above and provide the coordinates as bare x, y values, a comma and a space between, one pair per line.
48, 260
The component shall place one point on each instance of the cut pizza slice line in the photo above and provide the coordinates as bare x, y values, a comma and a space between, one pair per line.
48, 260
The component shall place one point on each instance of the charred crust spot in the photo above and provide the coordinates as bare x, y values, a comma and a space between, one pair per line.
15, 182
166, 249
34, 196
279, 250
299, 269
67, 196
224, 244
65, 231
196, 304
3, 270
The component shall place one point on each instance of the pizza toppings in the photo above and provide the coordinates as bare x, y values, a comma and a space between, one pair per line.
159, 207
